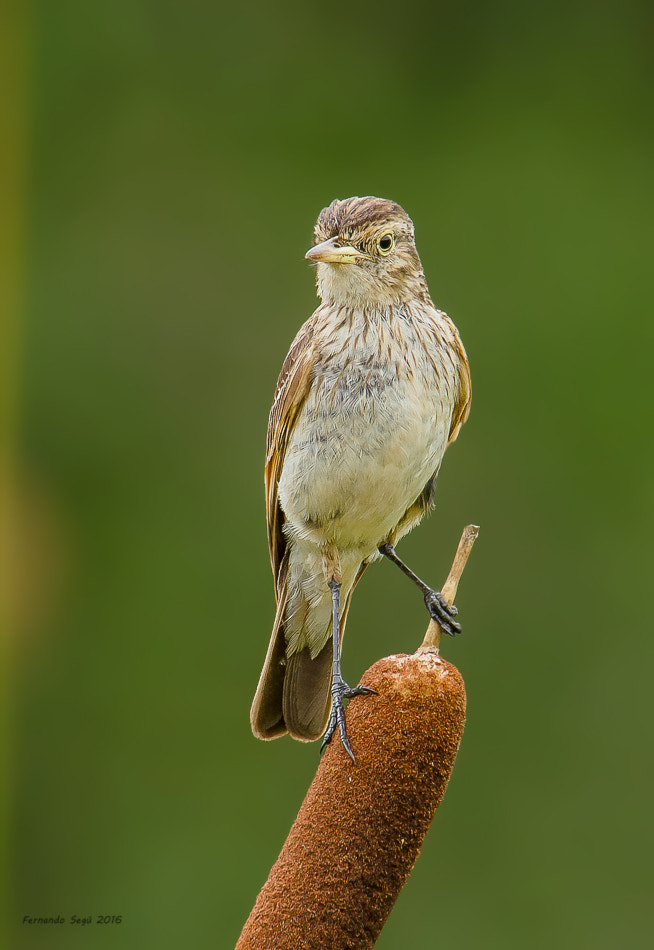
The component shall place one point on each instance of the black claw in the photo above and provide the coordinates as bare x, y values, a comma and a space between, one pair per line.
439, 609
341, 691
329, 731
442, 612
351, 691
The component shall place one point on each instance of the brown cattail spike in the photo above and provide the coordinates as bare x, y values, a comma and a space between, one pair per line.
360, 828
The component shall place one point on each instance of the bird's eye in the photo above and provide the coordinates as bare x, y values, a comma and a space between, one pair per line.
386, 243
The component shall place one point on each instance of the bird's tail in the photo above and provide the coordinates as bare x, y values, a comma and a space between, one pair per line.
306, 699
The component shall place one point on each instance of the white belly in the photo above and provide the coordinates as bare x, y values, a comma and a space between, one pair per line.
365, 444
367, 440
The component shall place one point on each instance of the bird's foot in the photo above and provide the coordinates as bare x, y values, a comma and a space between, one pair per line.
341, 691
442, 612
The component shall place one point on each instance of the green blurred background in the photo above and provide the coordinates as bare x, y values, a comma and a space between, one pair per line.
173, 159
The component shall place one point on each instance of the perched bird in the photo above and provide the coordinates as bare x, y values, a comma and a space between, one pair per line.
374, 388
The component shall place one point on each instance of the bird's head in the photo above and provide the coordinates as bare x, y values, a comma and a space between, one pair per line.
366, 254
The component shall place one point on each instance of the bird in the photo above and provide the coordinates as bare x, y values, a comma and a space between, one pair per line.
374, 388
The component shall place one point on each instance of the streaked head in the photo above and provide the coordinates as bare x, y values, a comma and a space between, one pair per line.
366, 254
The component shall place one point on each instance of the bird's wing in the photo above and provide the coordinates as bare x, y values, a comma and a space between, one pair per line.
292, 388
461, 409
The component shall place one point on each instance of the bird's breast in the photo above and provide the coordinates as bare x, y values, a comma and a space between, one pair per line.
370, 434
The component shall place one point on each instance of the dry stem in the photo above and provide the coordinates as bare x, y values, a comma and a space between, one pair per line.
434, 632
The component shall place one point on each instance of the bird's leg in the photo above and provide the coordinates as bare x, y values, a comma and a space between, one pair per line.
340, 689
439, 609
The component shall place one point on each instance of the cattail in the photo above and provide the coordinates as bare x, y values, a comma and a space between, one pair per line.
360, 828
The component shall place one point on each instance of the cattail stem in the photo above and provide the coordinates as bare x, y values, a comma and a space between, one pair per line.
431, 642
360, 828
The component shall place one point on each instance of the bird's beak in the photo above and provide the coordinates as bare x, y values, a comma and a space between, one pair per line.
329, 252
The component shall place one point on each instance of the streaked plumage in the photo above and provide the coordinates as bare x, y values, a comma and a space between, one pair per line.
374, 388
